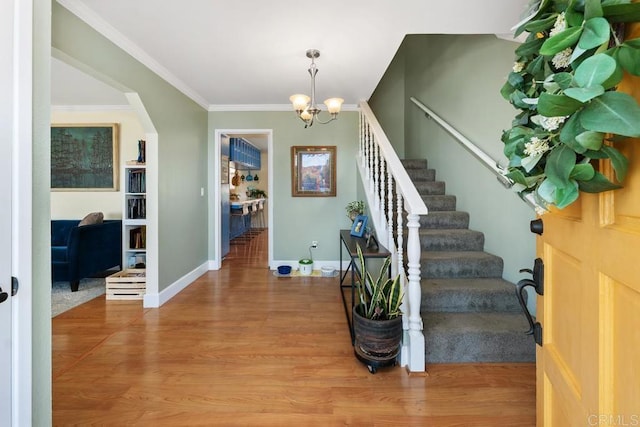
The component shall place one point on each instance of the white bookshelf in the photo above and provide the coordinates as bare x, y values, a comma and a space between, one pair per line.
134, 214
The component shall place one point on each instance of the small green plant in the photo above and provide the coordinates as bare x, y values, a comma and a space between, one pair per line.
256, 193
354, 209
379, 299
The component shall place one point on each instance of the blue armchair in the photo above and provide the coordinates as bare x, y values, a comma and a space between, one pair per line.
79, 252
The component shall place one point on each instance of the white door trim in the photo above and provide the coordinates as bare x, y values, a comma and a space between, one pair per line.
22, 214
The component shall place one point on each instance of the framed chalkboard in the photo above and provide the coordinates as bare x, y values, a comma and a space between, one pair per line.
84, 157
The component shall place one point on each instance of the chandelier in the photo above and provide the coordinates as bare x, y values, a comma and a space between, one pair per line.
306, 107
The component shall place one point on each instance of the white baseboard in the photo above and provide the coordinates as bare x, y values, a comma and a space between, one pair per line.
156, 300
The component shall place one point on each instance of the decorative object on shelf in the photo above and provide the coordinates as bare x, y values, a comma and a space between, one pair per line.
564, 84
354, 209
142, 151
372, 242
306, 107
359, 226
377, 318
84, 157
313, 171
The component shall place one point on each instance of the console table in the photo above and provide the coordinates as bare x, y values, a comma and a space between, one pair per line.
350, 243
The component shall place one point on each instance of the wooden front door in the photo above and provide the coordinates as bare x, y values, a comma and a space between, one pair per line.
588, 369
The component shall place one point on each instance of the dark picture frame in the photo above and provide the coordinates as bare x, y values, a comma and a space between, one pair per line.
84, 157
359, 226
313, 171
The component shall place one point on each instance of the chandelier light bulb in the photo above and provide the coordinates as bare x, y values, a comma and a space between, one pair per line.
305, 115
299, 101
334, 105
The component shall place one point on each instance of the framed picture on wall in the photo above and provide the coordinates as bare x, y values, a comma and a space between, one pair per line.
313, 171
84, 157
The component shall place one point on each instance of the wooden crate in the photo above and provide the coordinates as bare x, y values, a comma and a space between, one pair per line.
127, 284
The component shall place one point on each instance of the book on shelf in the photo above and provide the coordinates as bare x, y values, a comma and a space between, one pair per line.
138, 237
137, 178
136, 208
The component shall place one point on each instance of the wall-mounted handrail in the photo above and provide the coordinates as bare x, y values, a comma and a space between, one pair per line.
484, 158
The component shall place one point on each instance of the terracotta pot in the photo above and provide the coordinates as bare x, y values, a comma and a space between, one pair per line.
377, 339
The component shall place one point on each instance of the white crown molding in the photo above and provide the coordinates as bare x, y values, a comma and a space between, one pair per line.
101, 26
266, 107
91, 108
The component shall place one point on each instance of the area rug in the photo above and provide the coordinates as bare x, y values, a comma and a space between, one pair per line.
62, 299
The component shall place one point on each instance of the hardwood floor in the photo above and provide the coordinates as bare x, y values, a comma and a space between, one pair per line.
241, 347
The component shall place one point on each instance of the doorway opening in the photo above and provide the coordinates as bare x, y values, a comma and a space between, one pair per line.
242, 203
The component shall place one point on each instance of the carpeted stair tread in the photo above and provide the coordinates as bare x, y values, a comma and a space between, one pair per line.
469, 295
414, 163
440, 202
430, 187
460, 264
417, 175
445, 219
441, 239
477, 337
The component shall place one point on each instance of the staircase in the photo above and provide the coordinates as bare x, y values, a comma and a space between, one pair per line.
470, 313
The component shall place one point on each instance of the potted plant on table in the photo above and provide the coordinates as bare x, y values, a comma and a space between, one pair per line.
354, 209
377, 318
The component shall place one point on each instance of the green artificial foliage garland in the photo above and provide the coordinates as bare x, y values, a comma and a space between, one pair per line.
564, 84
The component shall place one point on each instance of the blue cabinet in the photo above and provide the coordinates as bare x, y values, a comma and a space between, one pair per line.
244, 154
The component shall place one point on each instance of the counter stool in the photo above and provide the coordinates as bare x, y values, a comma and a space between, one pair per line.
260, 214
253, 219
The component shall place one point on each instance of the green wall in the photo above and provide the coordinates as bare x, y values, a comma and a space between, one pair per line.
182, 143
299, 220
388, 102
459, 77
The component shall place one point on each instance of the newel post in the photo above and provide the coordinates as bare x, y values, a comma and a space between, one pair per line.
416, 345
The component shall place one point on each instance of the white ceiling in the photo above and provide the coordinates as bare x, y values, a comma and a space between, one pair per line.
250, 54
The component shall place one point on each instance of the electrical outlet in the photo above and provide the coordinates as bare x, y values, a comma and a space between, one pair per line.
314, 243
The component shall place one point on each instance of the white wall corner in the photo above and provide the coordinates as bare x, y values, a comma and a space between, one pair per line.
157, 299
